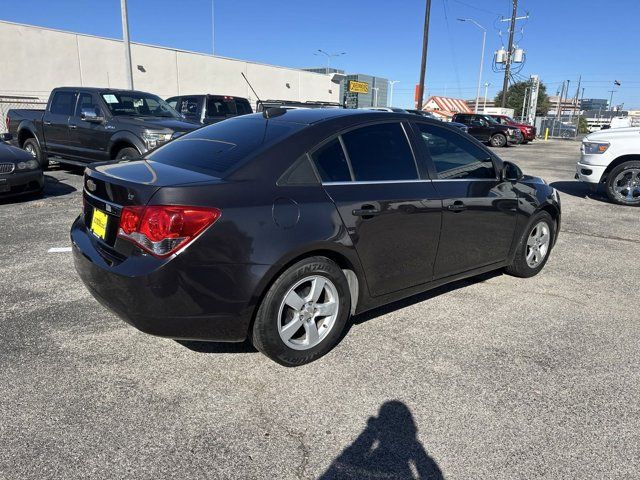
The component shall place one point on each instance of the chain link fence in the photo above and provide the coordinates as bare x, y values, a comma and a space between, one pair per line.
9, 102
566, 127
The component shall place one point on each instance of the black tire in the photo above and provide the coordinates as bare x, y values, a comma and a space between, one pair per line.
498, 140
127, 153
520, 267
31, 145
631, 169
266, 336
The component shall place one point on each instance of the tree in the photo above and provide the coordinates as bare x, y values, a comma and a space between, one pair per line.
515, 97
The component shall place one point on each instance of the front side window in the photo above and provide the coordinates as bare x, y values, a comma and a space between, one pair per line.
455, 157
138, 104
86, 101
380, 153
331, 162
63, 103
189, 106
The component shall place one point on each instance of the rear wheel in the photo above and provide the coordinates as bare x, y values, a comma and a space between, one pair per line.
534, 247
498, 140
31, 146
623, 184
304, 312
127, 153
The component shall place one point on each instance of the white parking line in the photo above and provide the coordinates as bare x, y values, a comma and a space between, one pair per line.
59, 249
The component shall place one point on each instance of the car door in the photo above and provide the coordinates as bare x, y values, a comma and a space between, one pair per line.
55, 122
390, 210
479, 209
90, 139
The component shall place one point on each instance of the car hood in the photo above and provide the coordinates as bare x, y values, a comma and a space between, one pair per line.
611, 133
161, 123
12, 154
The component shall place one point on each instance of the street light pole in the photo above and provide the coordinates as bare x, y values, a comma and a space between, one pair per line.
486, 91
484, 39
329, 56
425, 44
391, 84
127, 45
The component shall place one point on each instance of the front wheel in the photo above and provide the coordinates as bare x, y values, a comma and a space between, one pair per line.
623, 184
31, 146
128, 153
534, 247
304, 312
498, 140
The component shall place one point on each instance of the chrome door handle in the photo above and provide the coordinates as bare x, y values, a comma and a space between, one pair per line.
365, 211
73, 127
47, 123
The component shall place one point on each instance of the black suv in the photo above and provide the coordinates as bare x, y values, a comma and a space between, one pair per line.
486, 129
208, 109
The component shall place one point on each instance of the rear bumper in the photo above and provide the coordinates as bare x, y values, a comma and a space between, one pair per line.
177, 298
19, 183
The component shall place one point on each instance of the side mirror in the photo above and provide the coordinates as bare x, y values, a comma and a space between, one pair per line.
6, 137
91, 115
511, 172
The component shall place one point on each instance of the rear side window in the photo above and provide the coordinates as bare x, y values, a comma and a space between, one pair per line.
455, 157
63, 103
331, 162
218, 148
243, 107
380, 152
220, 106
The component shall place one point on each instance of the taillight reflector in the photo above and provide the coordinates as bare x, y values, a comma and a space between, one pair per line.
163, 230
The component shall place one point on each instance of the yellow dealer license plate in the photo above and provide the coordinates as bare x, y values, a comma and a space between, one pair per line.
99, 223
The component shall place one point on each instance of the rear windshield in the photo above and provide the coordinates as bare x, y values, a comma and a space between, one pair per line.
217, 148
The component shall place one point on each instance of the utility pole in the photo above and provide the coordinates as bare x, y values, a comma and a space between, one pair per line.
507, 70
127, 45
611, 100
425, 43
524, 103
391, 84
213, 27
575, 109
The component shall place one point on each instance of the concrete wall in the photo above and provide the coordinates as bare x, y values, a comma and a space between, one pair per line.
34, 60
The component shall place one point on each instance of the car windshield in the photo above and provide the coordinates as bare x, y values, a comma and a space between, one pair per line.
138, 104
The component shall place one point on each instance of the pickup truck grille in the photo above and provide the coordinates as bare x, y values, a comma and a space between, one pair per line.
7, 167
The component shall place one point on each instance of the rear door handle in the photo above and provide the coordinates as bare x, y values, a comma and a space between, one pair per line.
366, 211
457, 206
47, 123
73, 127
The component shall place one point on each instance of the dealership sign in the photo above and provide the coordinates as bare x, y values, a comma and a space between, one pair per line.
358, 87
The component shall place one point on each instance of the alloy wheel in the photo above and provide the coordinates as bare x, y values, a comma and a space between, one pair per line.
31, 150
308, 312
626, 186
538, 244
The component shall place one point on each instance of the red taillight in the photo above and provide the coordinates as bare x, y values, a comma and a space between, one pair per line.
6, 122
162, 229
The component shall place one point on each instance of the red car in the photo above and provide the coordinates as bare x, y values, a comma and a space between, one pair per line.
528, 132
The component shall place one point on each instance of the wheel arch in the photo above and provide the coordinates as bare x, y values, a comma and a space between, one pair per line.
617, 162
554, 211
24, 134
124, 140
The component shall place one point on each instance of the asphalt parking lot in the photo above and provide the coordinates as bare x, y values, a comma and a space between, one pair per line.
493, 377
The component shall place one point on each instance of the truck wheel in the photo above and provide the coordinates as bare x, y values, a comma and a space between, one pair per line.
623, 184
127, 153
31, 146
498, 140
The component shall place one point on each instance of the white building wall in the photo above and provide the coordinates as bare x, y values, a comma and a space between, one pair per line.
35, 60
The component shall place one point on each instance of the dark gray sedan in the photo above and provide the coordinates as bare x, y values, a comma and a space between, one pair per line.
20, 173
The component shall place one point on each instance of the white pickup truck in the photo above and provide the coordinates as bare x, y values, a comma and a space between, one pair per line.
612, 158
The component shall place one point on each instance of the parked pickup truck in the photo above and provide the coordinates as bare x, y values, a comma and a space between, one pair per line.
208, 109
611, 158
85, 125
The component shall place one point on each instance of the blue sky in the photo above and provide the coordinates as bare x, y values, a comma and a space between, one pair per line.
562, 38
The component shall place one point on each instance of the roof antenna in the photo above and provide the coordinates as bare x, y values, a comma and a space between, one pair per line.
267, 112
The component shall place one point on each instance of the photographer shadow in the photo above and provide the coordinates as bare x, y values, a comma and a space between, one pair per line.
387, 448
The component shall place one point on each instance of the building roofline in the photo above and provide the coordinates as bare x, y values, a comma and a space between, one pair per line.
69, 32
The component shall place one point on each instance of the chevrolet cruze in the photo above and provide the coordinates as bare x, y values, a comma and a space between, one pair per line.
279, 226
